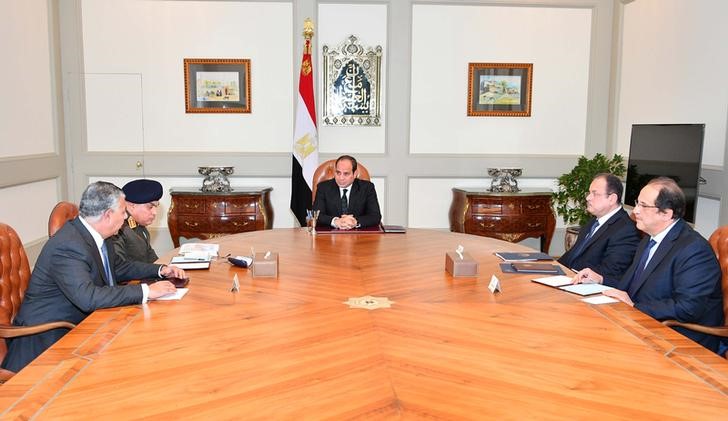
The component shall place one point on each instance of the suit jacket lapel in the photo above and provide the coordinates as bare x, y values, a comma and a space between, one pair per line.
609, 222
353, 195
93, 250
662, 250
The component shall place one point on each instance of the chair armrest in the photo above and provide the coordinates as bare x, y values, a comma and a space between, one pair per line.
710, 330
7, 331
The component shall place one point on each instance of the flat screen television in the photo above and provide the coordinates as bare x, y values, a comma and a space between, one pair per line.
672, 150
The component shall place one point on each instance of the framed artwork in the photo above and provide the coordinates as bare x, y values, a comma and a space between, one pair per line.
352, 84
217, 85
499, 89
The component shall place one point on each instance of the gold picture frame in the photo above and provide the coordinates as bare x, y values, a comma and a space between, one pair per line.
217, 85
499, 89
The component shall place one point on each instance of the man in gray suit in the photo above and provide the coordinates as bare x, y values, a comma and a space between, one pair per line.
76, 273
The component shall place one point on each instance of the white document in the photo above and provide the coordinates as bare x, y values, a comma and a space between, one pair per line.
176, 296
200, 251
599, 299
585, 289
554, 281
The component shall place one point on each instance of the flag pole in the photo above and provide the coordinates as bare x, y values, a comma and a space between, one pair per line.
305, 136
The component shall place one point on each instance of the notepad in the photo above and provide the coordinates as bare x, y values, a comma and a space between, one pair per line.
554, 281
188, 264
178, 294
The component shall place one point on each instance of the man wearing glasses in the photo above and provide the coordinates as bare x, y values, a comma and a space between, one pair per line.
607, 243
674, 274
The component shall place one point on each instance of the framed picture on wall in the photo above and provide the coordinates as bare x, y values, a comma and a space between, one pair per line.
499, 89
217, 85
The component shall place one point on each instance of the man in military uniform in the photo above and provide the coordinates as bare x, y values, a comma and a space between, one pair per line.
142, 201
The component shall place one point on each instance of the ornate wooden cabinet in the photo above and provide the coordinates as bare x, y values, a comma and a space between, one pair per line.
207, 215
506, 216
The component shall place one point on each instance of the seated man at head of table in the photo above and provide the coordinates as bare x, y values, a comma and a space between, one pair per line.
346, 202
606, 243
142, 200
674, 274
77, 271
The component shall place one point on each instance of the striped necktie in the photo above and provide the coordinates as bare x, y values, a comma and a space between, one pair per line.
581, 246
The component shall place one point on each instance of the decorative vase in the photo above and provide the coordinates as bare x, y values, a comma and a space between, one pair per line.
215, 178
570, 237
504, 179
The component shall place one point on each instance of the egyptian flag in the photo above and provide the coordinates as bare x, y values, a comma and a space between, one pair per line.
305, 137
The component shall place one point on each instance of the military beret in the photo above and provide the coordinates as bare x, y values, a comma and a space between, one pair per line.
142, 191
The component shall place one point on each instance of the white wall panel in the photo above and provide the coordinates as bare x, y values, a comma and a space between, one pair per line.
114, 112
151, 38
445, 38
36, 200
368, 22
26, 104
707, 216
674, 62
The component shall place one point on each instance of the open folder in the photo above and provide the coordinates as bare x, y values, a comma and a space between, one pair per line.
564, 283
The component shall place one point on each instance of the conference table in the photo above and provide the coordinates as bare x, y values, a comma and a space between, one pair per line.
437, 347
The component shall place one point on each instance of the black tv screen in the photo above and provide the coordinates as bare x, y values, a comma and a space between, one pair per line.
672, 150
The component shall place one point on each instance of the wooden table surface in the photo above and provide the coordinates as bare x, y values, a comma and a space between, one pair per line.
447, 348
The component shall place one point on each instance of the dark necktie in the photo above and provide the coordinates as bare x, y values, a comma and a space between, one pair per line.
640, 268
107, 266
581, 246
344, 203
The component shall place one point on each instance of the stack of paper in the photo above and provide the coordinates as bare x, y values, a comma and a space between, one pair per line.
199, 251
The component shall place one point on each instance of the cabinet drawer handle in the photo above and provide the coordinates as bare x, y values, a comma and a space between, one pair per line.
192, 224
533, 207
491, 225
194, 206
238, 224
534, 225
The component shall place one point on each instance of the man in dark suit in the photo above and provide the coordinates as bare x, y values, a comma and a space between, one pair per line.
675, 274
346, 202
142, 200
76, 273
607, 243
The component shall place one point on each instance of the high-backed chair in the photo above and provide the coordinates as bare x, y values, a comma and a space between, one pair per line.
326, 171
14, 280
719, 242
61, 213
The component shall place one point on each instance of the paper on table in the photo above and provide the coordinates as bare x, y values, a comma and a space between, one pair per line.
554, 281
178, 294
585, 289
599, 299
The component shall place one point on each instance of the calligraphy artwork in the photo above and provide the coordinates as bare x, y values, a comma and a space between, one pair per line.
351, 83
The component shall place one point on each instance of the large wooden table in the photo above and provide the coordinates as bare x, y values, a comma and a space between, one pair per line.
447, 348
